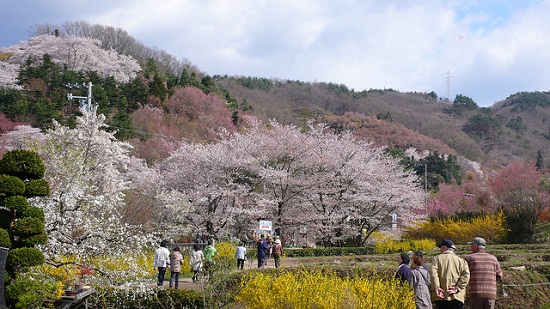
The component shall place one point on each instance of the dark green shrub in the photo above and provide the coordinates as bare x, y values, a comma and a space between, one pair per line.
25, 257
23, 164
115, 298
29, 241
29, 293
34, 212
519, 221
10, 185
28, 226
4, 238
318, 252
20, 173
17, 203
37, 187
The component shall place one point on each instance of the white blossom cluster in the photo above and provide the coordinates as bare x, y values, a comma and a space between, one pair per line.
88, 171
74, 53
8, 75
334, 185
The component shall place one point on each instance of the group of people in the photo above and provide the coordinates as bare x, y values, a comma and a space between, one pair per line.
449, 277
268, 248
201, 261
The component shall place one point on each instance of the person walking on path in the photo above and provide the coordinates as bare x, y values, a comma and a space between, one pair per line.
403, 271
240, 255
196, 260
484, 273
420, 282
161, 260
262, 251
209, 253
277, 251
449, 277
176, 260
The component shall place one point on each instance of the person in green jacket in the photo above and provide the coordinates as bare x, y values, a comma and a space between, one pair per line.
449, 277
209, 253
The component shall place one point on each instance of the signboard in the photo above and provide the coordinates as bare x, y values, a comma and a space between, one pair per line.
394, 221
265, 225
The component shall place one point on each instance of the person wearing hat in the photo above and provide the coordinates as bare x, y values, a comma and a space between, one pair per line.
449, 277
277, 251
484, 273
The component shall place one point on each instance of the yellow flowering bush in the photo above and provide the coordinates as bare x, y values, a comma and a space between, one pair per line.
321, 288
491, 227
386, 244
99, 270
225, 249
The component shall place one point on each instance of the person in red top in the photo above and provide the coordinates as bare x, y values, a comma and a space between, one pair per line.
484, 273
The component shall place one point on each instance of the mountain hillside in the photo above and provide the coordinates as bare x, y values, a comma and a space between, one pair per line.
147, 103
514, 129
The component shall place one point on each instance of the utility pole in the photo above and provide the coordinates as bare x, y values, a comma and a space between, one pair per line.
448, 80
70, 97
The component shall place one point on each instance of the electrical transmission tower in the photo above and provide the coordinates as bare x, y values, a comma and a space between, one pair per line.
448, 79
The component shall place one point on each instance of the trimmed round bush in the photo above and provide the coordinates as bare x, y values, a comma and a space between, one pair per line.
24, 164
33, 212
16, 202
29, 241
30, 293
28, 226
4, 238
37, 187
25, 257
11, 185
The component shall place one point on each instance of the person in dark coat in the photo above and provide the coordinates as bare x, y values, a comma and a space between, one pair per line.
262, 251
403, 271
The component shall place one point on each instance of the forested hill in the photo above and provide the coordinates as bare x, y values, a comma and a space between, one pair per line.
154, 100
514, 129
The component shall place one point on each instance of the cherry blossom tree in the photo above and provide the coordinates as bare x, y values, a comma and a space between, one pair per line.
88, 171
211, 183
8, 75
334, 185
361, 192
74, 53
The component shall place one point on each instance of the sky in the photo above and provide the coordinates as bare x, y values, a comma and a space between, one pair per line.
484, 49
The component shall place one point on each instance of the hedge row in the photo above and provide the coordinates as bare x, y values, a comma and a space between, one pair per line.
145, 298
319, 252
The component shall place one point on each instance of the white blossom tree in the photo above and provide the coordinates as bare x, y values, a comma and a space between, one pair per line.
336, 186
88, 171
212, 183
75, 53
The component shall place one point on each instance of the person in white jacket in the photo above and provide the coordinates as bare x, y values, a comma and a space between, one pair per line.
161, 260
196, 259
240, 255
